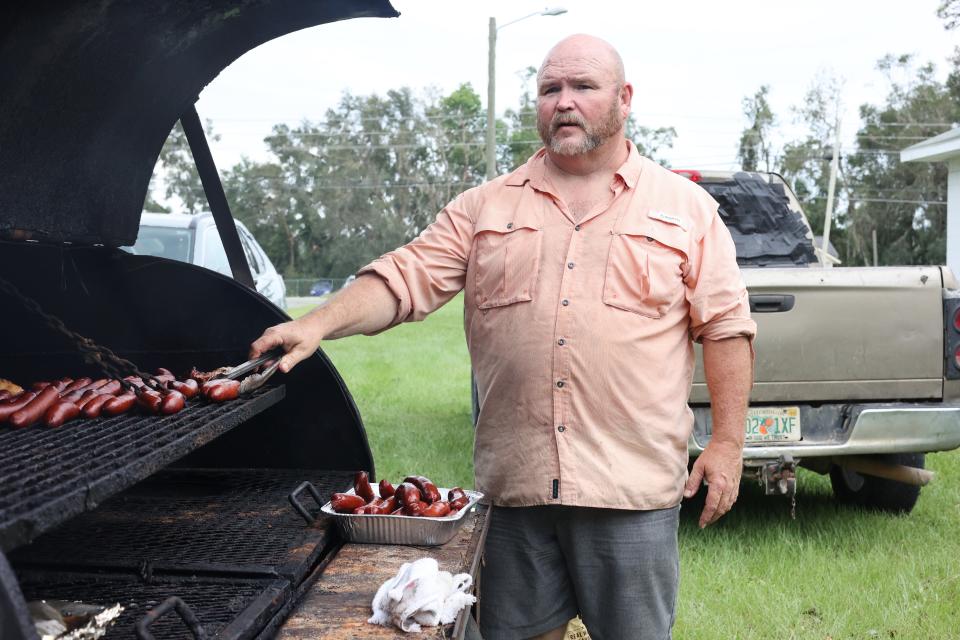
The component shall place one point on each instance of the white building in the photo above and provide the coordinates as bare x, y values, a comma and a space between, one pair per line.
944, 148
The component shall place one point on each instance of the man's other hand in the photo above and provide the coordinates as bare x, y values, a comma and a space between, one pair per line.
721, 464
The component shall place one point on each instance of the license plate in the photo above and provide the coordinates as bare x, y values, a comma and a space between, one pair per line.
773, 424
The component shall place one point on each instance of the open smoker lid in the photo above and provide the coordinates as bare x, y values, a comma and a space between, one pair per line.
91, 90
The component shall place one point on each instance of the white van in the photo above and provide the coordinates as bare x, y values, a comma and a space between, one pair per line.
194, 239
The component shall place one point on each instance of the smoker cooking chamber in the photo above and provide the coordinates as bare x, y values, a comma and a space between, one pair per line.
135, 509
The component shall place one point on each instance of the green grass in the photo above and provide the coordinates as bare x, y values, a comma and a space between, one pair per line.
833, 573
412, 386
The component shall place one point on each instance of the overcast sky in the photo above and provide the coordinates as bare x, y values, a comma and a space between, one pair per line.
691, 63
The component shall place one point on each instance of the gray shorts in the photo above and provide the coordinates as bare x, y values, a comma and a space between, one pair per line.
618, 569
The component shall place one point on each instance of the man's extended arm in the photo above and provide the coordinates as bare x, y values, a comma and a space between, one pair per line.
728, 366
365, 306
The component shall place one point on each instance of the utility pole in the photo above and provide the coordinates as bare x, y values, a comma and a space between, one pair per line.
492, 84
491, 101
834, 167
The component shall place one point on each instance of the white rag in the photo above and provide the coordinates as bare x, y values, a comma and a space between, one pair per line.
421, 594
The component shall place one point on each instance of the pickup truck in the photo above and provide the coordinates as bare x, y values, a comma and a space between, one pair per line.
857, 370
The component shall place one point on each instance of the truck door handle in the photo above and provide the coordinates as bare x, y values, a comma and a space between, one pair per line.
767, 303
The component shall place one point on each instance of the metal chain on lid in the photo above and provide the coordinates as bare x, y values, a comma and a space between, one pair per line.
109, 363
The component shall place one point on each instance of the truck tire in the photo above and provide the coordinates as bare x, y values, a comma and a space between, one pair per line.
850, 487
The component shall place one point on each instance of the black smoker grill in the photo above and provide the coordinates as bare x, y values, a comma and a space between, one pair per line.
186, 514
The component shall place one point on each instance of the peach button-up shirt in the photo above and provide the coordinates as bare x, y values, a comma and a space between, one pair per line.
580, 331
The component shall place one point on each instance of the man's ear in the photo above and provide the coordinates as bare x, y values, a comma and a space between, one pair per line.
626, 98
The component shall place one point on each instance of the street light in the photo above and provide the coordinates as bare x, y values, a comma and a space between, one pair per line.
491, 84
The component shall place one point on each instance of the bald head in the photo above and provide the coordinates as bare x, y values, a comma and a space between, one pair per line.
583, 99
588, 50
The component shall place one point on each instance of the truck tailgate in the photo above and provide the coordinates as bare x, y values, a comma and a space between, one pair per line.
853, 334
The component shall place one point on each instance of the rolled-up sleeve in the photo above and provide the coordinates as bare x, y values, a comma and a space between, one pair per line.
427, 272
719, 304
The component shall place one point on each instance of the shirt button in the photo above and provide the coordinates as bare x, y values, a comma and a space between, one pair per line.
560, 383
576, 228
561, 428
509, 225
564, 302
569, 265
561, 342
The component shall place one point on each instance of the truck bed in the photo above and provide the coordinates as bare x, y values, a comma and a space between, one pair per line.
852, 334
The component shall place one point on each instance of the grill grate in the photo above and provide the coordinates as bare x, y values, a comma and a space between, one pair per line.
195, 521
227, 609
51, 475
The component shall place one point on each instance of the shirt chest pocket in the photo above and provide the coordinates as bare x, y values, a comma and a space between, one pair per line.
507, 263
645, 267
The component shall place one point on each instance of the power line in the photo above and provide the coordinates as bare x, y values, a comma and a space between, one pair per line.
883, 200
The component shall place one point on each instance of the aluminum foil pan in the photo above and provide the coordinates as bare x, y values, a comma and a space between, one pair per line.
377, 529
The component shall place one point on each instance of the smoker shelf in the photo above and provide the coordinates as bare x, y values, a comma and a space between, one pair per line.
227, 609
193, 522
50, 475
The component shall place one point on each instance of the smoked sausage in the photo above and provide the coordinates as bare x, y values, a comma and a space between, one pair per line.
438, 509
188, 388
407, 493
346, 502
427, 489
34, 410
361, 486
459, 503
149, 400
173, 402
382, 506
60, 413
386, 489
77, 385
221, 390
93, 407
414, 508
119, 404
11, 406
113, 387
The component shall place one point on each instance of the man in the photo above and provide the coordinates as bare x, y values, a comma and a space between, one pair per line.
587, 272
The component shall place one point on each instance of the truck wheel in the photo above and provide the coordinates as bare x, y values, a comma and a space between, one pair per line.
871, 492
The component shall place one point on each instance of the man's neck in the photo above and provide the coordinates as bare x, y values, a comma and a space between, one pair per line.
605, 159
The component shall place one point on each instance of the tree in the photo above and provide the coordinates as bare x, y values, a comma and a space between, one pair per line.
805, 163
755, 150
650, 141
902, 201
519, 128
949, 12
366, 180
180, 171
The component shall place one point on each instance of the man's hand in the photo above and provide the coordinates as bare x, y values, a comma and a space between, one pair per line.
299, 338
728, 368
721, 464
367, 305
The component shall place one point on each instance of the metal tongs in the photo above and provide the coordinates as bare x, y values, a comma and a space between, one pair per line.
258, 379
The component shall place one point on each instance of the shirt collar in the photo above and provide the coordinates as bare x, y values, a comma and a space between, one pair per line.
632, 167
534, 170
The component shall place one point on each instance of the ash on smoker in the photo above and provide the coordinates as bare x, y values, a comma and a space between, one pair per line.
61, 620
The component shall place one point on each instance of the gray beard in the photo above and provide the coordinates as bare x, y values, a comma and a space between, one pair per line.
605, 129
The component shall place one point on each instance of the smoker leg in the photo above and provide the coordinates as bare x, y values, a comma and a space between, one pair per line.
15, 622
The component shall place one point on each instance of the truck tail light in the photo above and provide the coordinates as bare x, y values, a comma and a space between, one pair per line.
692, 175
951, 335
